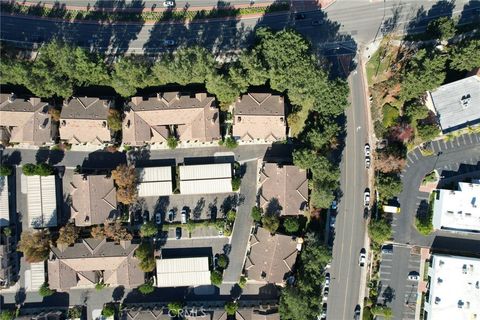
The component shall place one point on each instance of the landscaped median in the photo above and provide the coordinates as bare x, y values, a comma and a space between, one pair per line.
132, 15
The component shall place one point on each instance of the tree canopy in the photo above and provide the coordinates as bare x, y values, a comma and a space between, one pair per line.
465, 55
35, 245
389, 185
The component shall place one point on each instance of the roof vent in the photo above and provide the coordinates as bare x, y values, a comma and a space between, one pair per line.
437, 300
439, 280
12, 97
465, 100
460, 304
474, 202
104, 124
128, 124
106, 103
239, 119
464, 269
64, 123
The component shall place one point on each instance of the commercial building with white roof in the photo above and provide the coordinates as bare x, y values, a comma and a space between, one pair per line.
183, 272
458, 210
206, 178
154, 181
41, 201
454, 288
4, 208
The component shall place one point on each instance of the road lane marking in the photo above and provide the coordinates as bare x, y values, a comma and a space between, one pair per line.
415, 154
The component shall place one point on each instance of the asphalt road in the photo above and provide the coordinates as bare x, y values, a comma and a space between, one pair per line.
350, 225
345, 26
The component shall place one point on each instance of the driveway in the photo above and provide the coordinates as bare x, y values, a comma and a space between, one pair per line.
455, 160
395, 290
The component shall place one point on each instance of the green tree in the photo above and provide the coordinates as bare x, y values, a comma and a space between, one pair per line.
7, 315
416, 112
216, 277
130, 74
271, 222
321, 136
108, 310
223, 88
68, 234
144, 253
172, 142
242, 282
442, 28
291, 224
148, 229
379, 231
5, 170
303, 158
146, 288
45, 290
14, 71
464, 55
425, 71
35, 245
428, 132
230, 143
389, 185
231, 308
322, 195
222, 261
390, 115
29, 169
114, 120
43, 169
75, 312
231, 215
257, 214
174, 308
236, 183
323, 169
295, 305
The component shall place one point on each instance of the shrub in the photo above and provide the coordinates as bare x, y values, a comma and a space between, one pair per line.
390, 115
291, 224
7, 315
236, 182
75, 312
174, 308
5, 170
114, 120
256, 214
379, 231
108, 310
45, 290
146, 288
172, 142
7, 231
222, 261
148, 229
29, 169
99, 286
428, 131
243, 282
231, 216
271, 222
424, 223
216, 277
230, 143
43, 169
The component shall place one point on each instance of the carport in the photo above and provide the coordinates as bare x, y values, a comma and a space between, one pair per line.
182, 272
205, 179
155, 181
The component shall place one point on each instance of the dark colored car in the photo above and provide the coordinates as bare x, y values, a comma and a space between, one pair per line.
178, 233
356, 314
300, 16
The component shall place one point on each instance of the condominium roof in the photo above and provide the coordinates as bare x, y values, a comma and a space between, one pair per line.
94, 199
25, 120
285, 184
86, 262
454, 290
206, 178
182, 272
4, 207
458, 210
155, 181
271, 257
260, 116
458, 103
41, 201
84, 120
192, 117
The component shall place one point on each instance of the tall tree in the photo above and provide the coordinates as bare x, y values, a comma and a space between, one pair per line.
68, 235
130, 74
389, 185
465, 55
35, 245
442, 28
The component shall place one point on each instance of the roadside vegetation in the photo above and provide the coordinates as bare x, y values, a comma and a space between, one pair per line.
423, 222
147, 15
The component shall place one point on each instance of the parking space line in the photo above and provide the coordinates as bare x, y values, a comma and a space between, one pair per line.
437, 149
458, 142
409, 159
449, 144
470, 138
464, 141
442, 144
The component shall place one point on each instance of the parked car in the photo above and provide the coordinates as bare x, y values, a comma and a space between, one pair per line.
366, 197
178, 233
300, 16
184, 216
387, 249
215, 262
168, 42
169, 3
333, 219
324, 311
158, 218
334, 205
367, 162
327, 280
171, 215
325, 293
356, 312
363, 258
146, 216
414, 276
367, 150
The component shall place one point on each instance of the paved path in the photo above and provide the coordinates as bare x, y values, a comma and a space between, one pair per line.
243, 224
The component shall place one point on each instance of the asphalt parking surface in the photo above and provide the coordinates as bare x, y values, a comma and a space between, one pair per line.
396, 290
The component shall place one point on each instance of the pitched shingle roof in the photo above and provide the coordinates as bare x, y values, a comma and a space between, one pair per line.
287, 184
94, 199
271, 257
148, 120
84, 120
260, 116
85, 262
26, 120
458, 103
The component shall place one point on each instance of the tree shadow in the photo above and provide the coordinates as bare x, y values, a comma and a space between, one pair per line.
118, 293
470, 13
273, 208
442, 8
162, 205
388, 295
20, 296
213, 210
139, 154
229, 203
13, 158
197, 210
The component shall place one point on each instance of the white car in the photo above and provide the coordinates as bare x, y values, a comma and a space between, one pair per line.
367, 162
325, 293
168, 42
363, 258
414, 276
367, 150
169, 3
327, 280
366, 197
184, 216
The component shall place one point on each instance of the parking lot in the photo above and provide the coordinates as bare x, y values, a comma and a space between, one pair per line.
396, 289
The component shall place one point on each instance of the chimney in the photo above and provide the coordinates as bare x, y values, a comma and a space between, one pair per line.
106, 103
124, 243
280, 99
159, 97
135, 100
12, 97
65, 103
200, 96
465, 100
61, 246
177, 96
104, 124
